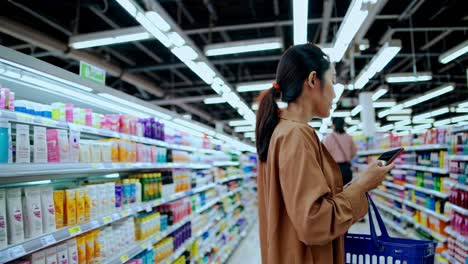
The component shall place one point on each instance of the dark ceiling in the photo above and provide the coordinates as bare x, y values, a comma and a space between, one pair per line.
208, 21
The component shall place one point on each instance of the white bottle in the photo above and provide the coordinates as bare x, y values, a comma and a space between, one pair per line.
15, 216
72, 251
40, 145
48, 209
23, 151
3, 221
32, 212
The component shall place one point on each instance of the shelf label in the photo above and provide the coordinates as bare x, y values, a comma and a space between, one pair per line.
47, 240
92, 73
74, 230
48, 122
24, 117
124, 258
124, 213
148, 208
144, 246
16, 252
107, 219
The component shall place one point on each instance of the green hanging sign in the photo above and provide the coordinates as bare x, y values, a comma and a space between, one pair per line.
92, 73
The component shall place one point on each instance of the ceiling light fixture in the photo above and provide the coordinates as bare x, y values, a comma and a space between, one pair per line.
191, 125
356, 110
152, 28
243, 46
433, 113
460, 118
339, 89
341, 114
424, 127
384, 103
249, 135
300, 23
136, 106
214, 100
254, 86
454, 52
381, 91
408, 77
106, 38
442, 122
423, 121
244, 129
388, 51
353, 20
398, 118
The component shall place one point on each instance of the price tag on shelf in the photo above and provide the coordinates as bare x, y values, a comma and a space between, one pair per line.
144, 245
47, 240
48, 122
107, 219
124, 213
24, 117
74, 230
124, 258
16, 252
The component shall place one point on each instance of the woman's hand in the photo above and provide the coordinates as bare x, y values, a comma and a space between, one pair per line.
374, 175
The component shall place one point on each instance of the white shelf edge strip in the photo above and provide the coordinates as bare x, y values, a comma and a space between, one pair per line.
391, 184
393, 225
387, 195
422, 168
458, 236
407, 148
439, 237
427, 191
424, 209
458, 209
388, 209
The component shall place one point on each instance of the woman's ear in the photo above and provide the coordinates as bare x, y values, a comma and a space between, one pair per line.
312, 79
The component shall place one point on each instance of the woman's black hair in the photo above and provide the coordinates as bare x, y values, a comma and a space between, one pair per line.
339, 124
293, 69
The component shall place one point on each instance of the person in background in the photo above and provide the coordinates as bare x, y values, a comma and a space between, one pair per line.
304, 209
342, 148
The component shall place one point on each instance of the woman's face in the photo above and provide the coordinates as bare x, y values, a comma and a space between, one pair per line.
324, 93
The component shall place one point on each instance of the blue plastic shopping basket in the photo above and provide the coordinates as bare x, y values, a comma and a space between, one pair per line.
384, 249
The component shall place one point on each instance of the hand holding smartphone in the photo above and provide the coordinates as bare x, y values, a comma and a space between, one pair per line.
389, 156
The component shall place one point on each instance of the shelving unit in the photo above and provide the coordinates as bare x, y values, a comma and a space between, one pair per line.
387, 195
389, 210
457, 208
422, 168
392, 185
407, 149
427, 191
439, 237
428, 211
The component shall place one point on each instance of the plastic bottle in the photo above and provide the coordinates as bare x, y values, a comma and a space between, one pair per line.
4, 141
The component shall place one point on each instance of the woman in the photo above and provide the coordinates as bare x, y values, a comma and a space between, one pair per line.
342, 148
303, 208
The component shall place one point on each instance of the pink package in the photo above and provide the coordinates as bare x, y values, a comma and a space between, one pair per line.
140, 153
124, 124
69, 113
5, 98
11, 102
133, 126
88, 117
154, 153
113, 122
53, 151
2, 99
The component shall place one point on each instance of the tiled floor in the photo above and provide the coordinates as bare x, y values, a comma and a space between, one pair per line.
248, 251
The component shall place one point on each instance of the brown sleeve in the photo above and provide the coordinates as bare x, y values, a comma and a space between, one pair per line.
316, 214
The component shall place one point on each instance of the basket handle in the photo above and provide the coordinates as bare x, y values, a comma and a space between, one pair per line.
380, 222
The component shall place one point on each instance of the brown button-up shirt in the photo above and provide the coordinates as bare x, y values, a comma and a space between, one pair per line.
303, 210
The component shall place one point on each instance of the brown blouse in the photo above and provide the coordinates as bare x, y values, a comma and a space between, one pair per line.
303, 210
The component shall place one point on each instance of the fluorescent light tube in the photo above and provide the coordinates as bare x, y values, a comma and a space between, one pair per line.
424, 121
144, 109
87, 41
152, 29
244, 129
377, 63
454, 52
433, 113
351, 121
233, 99
352, 129
315, 124
184, 129
460, 118
128, 5
442, 122
112, 175
351, 24
243, 46
176, 39
202, 70
254, 86
421, 127
300, 21
463, 105
461, 110
339, 88
384, 103
408, 77
185, 53
356, 110
214, 100
403, 123
190, 124
239, 123
398, 118
158, 21
387, 127
341, 114
249, 134
380, 92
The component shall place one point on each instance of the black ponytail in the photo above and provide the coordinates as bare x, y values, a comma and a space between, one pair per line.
293, 69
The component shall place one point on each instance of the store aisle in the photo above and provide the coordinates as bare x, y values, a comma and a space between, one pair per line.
249, 249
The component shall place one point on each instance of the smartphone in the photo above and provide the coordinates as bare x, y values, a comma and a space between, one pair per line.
389, 156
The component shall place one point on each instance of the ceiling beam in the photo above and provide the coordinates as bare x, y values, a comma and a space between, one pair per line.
326, 15
371, 17
435, 40
180, 100
388, 35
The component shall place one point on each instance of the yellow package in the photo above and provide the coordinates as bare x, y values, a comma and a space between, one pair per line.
59, 203
123, 150
97, 245
89, 247
87, 207
70, 207
114, 146
80, 205
81, 245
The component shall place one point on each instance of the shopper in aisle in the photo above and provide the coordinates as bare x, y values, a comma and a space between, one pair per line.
304, 210
342, 148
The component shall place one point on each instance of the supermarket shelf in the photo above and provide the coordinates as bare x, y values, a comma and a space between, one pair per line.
451, 260
398, 171
394, 226
248, 164
456, 175
423, 168
428, 211
458, 209
231, 209
48, 122
459, 129
178, 252
231, 178
459, 157
225, 163
459, 237
32, 245
208, 205
387, 195
439, 237
147, 243
388, 210
428, 191
15, 170
393, 185
407, 148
